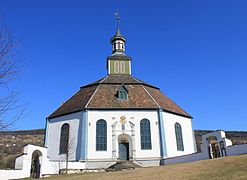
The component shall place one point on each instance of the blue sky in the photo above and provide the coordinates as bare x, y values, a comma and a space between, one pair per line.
195, 51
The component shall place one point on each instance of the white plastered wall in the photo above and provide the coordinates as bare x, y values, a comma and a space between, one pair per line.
169, 121
54, 132
113, 117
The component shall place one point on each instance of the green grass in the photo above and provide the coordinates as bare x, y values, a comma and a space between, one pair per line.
234, 167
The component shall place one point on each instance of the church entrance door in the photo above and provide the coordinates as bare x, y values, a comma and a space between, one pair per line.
123, 151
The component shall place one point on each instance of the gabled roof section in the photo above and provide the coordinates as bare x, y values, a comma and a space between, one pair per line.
165, 103
76, 103
94, 83
119, 79
105, 98
102, 95
123, 87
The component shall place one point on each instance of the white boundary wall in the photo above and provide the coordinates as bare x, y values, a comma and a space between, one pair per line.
186, 158
23, 164
236, 150
220, 135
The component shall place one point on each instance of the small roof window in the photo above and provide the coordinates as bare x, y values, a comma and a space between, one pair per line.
122, 93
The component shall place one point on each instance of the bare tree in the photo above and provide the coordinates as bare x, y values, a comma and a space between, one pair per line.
69, 151
66, 145
8, 72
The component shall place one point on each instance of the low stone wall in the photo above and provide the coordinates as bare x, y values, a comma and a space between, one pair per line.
148, 163
74, 171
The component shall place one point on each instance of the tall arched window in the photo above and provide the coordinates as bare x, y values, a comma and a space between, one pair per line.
101, 135
116, 67
145, 134
179, 137
64, 139
122, 67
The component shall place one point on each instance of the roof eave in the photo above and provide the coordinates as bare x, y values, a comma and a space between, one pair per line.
179, 114
119, 108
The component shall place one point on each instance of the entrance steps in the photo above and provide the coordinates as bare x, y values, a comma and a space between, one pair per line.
122, 165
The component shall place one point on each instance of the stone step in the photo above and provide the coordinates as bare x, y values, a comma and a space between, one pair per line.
123, 165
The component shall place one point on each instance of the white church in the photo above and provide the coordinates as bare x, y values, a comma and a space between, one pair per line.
117, 118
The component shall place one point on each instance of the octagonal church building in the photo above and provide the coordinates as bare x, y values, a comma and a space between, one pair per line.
118, 118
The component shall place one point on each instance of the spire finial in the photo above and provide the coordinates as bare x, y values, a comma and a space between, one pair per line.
117, 20
118, 41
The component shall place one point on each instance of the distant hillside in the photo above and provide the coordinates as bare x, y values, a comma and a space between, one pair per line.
237, 137
12, 142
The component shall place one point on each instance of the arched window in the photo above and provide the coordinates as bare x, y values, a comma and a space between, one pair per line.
145, 134
122, 67
101, 135
64, 139
118, 45
114, 47
116, 67
179, 137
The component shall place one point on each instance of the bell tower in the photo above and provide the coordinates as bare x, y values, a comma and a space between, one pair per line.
118, 62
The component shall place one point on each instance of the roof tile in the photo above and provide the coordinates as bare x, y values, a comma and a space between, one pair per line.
102, 94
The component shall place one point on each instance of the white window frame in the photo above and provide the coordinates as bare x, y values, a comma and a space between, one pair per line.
122, 67
116, 67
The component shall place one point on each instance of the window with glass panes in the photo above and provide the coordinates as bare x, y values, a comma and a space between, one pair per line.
179, 137
145, 134
122, 93
64, 139
101, 135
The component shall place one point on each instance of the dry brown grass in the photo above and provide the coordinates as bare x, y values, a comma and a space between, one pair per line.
234, 167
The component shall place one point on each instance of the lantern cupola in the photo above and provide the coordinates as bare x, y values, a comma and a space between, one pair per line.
118, 62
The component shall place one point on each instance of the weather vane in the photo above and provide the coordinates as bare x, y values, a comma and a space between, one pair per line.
117, 18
